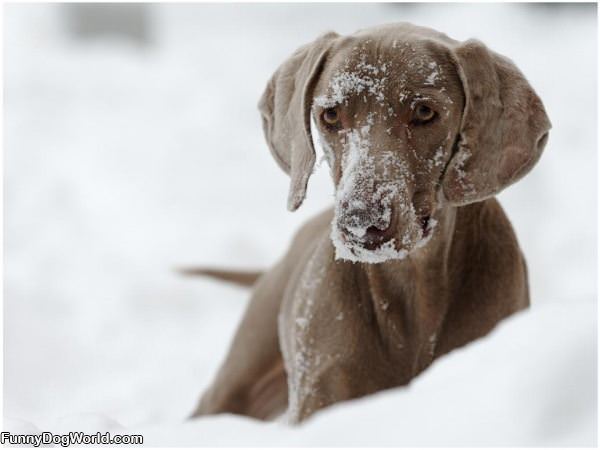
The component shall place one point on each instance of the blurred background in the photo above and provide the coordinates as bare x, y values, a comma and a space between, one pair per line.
133, 145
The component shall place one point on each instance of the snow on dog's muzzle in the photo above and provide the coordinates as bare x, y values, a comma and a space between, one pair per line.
375, 219
366, 234
366, 225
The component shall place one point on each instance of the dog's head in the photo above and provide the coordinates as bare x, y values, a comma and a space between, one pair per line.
410, 121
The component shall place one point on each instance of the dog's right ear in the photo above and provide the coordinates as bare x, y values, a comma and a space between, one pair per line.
285, 107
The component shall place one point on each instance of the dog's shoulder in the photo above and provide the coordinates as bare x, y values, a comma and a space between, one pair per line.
486, 252
485, 221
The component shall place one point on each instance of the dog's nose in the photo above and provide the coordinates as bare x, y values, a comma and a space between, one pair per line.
367, 226
375, 236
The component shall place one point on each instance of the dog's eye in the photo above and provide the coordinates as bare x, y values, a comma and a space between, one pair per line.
331, 117
423, 114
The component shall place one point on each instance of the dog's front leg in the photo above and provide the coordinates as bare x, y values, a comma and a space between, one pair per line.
252, 379
328, 364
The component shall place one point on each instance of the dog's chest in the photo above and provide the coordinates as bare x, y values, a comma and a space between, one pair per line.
335, 324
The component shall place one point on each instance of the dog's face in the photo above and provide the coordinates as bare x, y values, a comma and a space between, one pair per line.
388, 115
410, 121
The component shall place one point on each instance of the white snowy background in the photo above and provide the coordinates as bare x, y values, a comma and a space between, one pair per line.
123, 161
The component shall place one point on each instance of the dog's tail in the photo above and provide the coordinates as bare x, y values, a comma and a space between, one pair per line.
239, 277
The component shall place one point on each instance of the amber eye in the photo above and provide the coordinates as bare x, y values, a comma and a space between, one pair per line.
423, 114
330, 117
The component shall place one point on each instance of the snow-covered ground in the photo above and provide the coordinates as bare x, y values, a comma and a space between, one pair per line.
122, 163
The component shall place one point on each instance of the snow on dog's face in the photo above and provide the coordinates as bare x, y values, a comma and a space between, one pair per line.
410, 121
388, 114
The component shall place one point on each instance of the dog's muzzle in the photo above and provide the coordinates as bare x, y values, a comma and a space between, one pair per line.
369, 226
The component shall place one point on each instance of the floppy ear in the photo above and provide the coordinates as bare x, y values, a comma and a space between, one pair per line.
285, 107
504, 126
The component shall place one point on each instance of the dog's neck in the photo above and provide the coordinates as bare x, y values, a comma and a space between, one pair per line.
408, 306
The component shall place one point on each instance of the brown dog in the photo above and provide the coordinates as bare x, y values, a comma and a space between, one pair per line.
416, 258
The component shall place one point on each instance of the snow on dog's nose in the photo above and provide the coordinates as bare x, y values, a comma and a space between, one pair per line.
367, 225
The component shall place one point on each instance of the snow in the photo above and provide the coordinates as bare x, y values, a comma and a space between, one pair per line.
461, 158
434, 75
122, 163
363, 77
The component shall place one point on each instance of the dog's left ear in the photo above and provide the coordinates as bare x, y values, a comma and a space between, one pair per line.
504, 126
285, 107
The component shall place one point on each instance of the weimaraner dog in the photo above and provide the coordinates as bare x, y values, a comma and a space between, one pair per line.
416, 257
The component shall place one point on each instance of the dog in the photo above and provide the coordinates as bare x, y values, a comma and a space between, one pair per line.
416, 257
